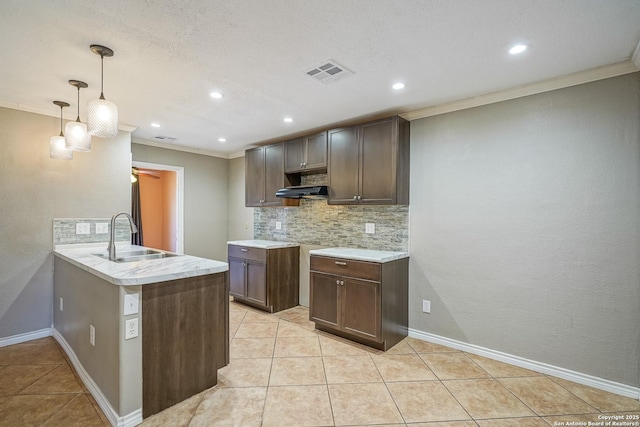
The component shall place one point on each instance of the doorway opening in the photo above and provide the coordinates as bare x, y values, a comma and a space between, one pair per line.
162, 205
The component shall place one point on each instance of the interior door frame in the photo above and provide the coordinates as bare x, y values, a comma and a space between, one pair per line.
179, 170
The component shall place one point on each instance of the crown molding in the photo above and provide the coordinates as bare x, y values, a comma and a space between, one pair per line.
53, 113
175, 147
581, 77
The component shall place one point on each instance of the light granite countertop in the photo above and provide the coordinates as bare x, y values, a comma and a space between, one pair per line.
360, 254
138, 272
263, 244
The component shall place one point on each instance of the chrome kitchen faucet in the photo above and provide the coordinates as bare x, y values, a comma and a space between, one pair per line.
112, 234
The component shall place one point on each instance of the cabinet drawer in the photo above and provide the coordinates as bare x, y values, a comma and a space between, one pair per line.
346, 267
245, 252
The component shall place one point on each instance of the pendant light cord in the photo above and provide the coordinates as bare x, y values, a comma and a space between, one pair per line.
61, 134
78, 118
101, 76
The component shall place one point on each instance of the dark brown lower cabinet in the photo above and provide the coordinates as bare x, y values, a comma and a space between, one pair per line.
267, 279
363, 301
185, 338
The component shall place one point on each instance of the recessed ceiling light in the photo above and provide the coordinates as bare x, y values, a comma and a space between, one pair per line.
155, 125
288, 119
516, 49
398, 86
222, 139
216, 95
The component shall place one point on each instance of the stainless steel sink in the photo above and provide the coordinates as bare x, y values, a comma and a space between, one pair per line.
139, 255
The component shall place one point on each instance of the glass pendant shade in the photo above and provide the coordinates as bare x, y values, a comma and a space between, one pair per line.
76, 136
58, 149
102, 118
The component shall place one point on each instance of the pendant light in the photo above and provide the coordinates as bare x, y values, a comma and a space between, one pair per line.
76, 136
57, 147
102, 117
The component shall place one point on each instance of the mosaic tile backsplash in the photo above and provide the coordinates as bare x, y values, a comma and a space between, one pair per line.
64, 231
315, 222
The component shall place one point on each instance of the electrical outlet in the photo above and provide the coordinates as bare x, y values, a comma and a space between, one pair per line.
102, 227
278, 225
246, 225
83, 228
131, 304
426, 306
92, 335
131, 328
61, 304
370, 228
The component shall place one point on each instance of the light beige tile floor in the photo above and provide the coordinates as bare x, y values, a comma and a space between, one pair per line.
38, 387
285, 373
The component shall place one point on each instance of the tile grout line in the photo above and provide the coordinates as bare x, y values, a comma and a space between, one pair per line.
326, 381
388, 391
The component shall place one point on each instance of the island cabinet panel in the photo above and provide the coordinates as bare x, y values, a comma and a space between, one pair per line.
185, 338
363, 301
264, 176
306, 155
267, 279
369, 163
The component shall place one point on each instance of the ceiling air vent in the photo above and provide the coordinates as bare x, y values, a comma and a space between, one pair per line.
165, 138
328, 71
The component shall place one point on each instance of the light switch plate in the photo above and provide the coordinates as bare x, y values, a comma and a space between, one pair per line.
83, 228
102, 227
370, 228
92, 335
131, 304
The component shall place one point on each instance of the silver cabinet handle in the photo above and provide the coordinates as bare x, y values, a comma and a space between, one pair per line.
337, 282
304, 165
359, 197
342, 283
355, 197
244, 250
301, 164
340, 263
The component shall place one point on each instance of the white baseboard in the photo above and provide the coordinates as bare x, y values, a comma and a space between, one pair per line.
577, 377
28, 336
129, 420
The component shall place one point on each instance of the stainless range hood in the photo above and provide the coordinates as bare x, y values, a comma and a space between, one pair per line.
303, 192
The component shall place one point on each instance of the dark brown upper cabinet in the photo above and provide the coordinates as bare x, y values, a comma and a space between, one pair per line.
306, 155
264, 175
369, 163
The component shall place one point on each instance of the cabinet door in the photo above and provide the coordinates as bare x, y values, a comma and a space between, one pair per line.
378, 172
361, 305
254, 176
256, 287
323, 306
316, 154
344, 160
236, 277
294, 155
273, 173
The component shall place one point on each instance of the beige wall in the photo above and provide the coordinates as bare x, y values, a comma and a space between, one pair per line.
240, 217
34, 189
206, 195
525, 227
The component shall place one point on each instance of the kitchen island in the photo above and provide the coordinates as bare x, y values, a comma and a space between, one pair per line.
145, 334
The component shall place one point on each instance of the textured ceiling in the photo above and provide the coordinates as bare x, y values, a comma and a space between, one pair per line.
169, 55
